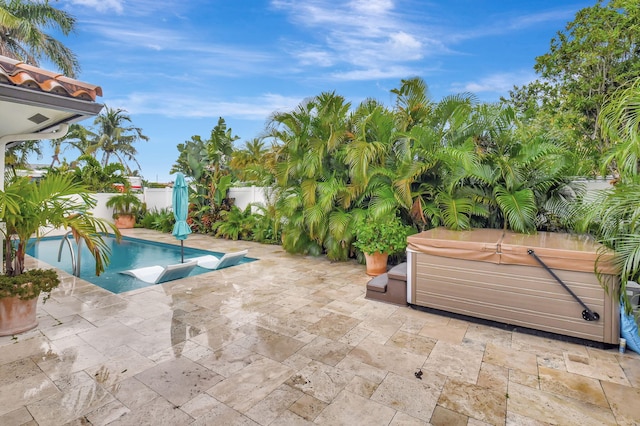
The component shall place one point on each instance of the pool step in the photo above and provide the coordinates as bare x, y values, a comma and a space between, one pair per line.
390, 287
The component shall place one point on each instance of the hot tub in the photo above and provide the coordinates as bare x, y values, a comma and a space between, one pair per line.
489, 274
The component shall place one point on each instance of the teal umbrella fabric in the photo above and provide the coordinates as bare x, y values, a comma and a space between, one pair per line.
180, 204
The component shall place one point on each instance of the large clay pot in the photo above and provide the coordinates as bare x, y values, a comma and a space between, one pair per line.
125, 221
376, 263
17, 315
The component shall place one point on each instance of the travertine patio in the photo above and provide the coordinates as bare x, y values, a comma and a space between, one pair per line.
290, 340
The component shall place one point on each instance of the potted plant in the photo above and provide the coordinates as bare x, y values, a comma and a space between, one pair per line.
26, 208
378, 238
125, 208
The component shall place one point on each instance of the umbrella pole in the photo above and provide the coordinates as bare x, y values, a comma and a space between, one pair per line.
181, 251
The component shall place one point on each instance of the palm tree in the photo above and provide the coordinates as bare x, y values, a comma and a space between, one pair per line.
114, 137
615, 215
56, 201
312, 177
22, 36
254, 162
78, 137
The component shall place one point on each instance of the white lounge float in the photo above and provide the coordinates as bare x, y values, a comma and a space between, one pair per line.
213, 262
159, 274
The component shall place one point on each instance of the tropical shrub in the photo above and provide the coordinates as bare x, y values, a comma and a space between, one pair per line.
235, 224
162, 220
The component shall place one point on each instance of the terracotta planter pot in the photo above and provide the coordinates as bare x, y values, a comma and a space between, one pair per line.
376, 263
16, 315
125, 221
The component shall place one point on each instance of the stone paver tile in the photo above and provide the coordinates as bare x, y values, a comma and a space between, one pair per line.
605, 368
403, 419
333, 326
443, 417
411, 342
485, 334
325, 350
249, 386
68, 326
78, 396
229, 359
178, 380
555, 409
36, 346
526, 379
132, 393
368, 372
351, 409
511, 358
493, 377
276, 403
307, 407
542, 345
474, 401
122, 363
288, 418
158, 412
106, 414
321, 381
110, 336
355, 336
630, 363
22, 383
449, 332
269, 344
361, 386
21, 416
624, 402
71, 359
455, 361
413, 396
572, 385
389, 358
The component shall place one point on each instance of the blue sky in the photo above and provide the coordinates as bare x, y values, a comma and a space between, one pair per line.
176, 66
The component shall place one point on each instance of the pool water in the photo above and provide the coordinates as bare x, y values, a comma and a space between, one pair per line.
130, 253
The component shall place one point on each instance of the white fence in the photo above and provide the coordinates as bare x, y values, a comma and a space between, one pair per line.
160, 198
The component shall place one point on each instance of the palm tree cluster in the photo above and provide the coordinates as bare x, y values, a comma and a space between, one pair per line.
456, 163
22, 34
113, 136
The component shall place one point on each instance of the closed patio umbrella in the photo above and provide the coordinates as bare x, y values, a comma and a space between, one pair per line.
180, 210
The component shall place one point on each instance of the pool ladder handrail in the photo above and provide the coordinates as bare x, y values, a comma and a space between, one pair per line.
75, 263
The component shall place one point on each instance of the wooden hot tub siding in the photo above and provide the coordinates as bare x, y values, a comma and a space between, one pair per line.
514, 294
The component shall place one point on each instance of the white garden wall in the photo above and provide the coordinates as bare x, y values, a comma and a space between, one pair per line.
160, 198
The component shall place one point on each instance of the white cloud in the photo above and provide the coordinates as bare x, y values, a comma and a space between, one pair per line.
496, 83
100, 5
365, 35
172, 104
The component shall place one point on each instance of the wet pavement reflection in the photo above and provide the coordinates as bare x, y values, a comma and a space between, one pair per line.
292, 340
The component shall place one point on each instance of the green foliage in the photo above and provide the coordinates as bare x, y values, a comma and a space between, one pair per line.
57, 201
126, 203
235, 224
29, 284
116, 138
89, 172
162, 220
614, 216
206, 162
594, 56
267, 228
23, 36
383, 235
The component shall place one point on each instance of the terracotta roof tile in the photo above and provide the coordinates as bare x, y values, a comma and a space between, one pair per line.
24, 75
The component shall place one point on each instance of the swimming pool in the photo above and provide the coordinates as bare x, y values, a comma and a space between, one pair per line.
130, 253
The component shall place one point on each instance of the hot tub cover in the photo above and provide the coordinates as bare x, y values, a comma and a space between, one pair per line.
477, 244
